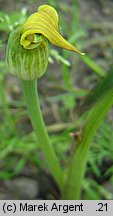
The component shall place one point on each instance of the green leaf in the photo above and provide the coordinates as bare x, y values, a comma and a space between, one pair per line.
76, 168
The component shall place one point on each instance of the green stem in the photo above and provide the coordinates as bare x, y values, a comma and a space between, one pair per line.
75, 172
30, 93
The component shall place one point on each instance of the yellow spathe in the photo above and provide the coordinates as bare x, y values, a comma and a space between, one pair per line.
44, 22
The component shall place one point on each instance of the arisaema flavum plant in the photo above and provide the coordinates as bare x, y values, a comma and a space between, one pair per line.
27, 59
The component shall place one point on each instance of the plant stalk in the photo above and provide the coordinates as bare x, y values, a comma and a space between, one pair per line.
31, 96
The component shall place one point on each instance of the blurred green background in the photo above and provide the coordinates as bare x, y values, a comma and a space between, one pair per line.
87, 24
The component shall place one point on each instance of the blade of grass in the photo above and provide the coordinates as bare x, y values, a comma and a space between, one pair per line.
8, 116
91, 64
